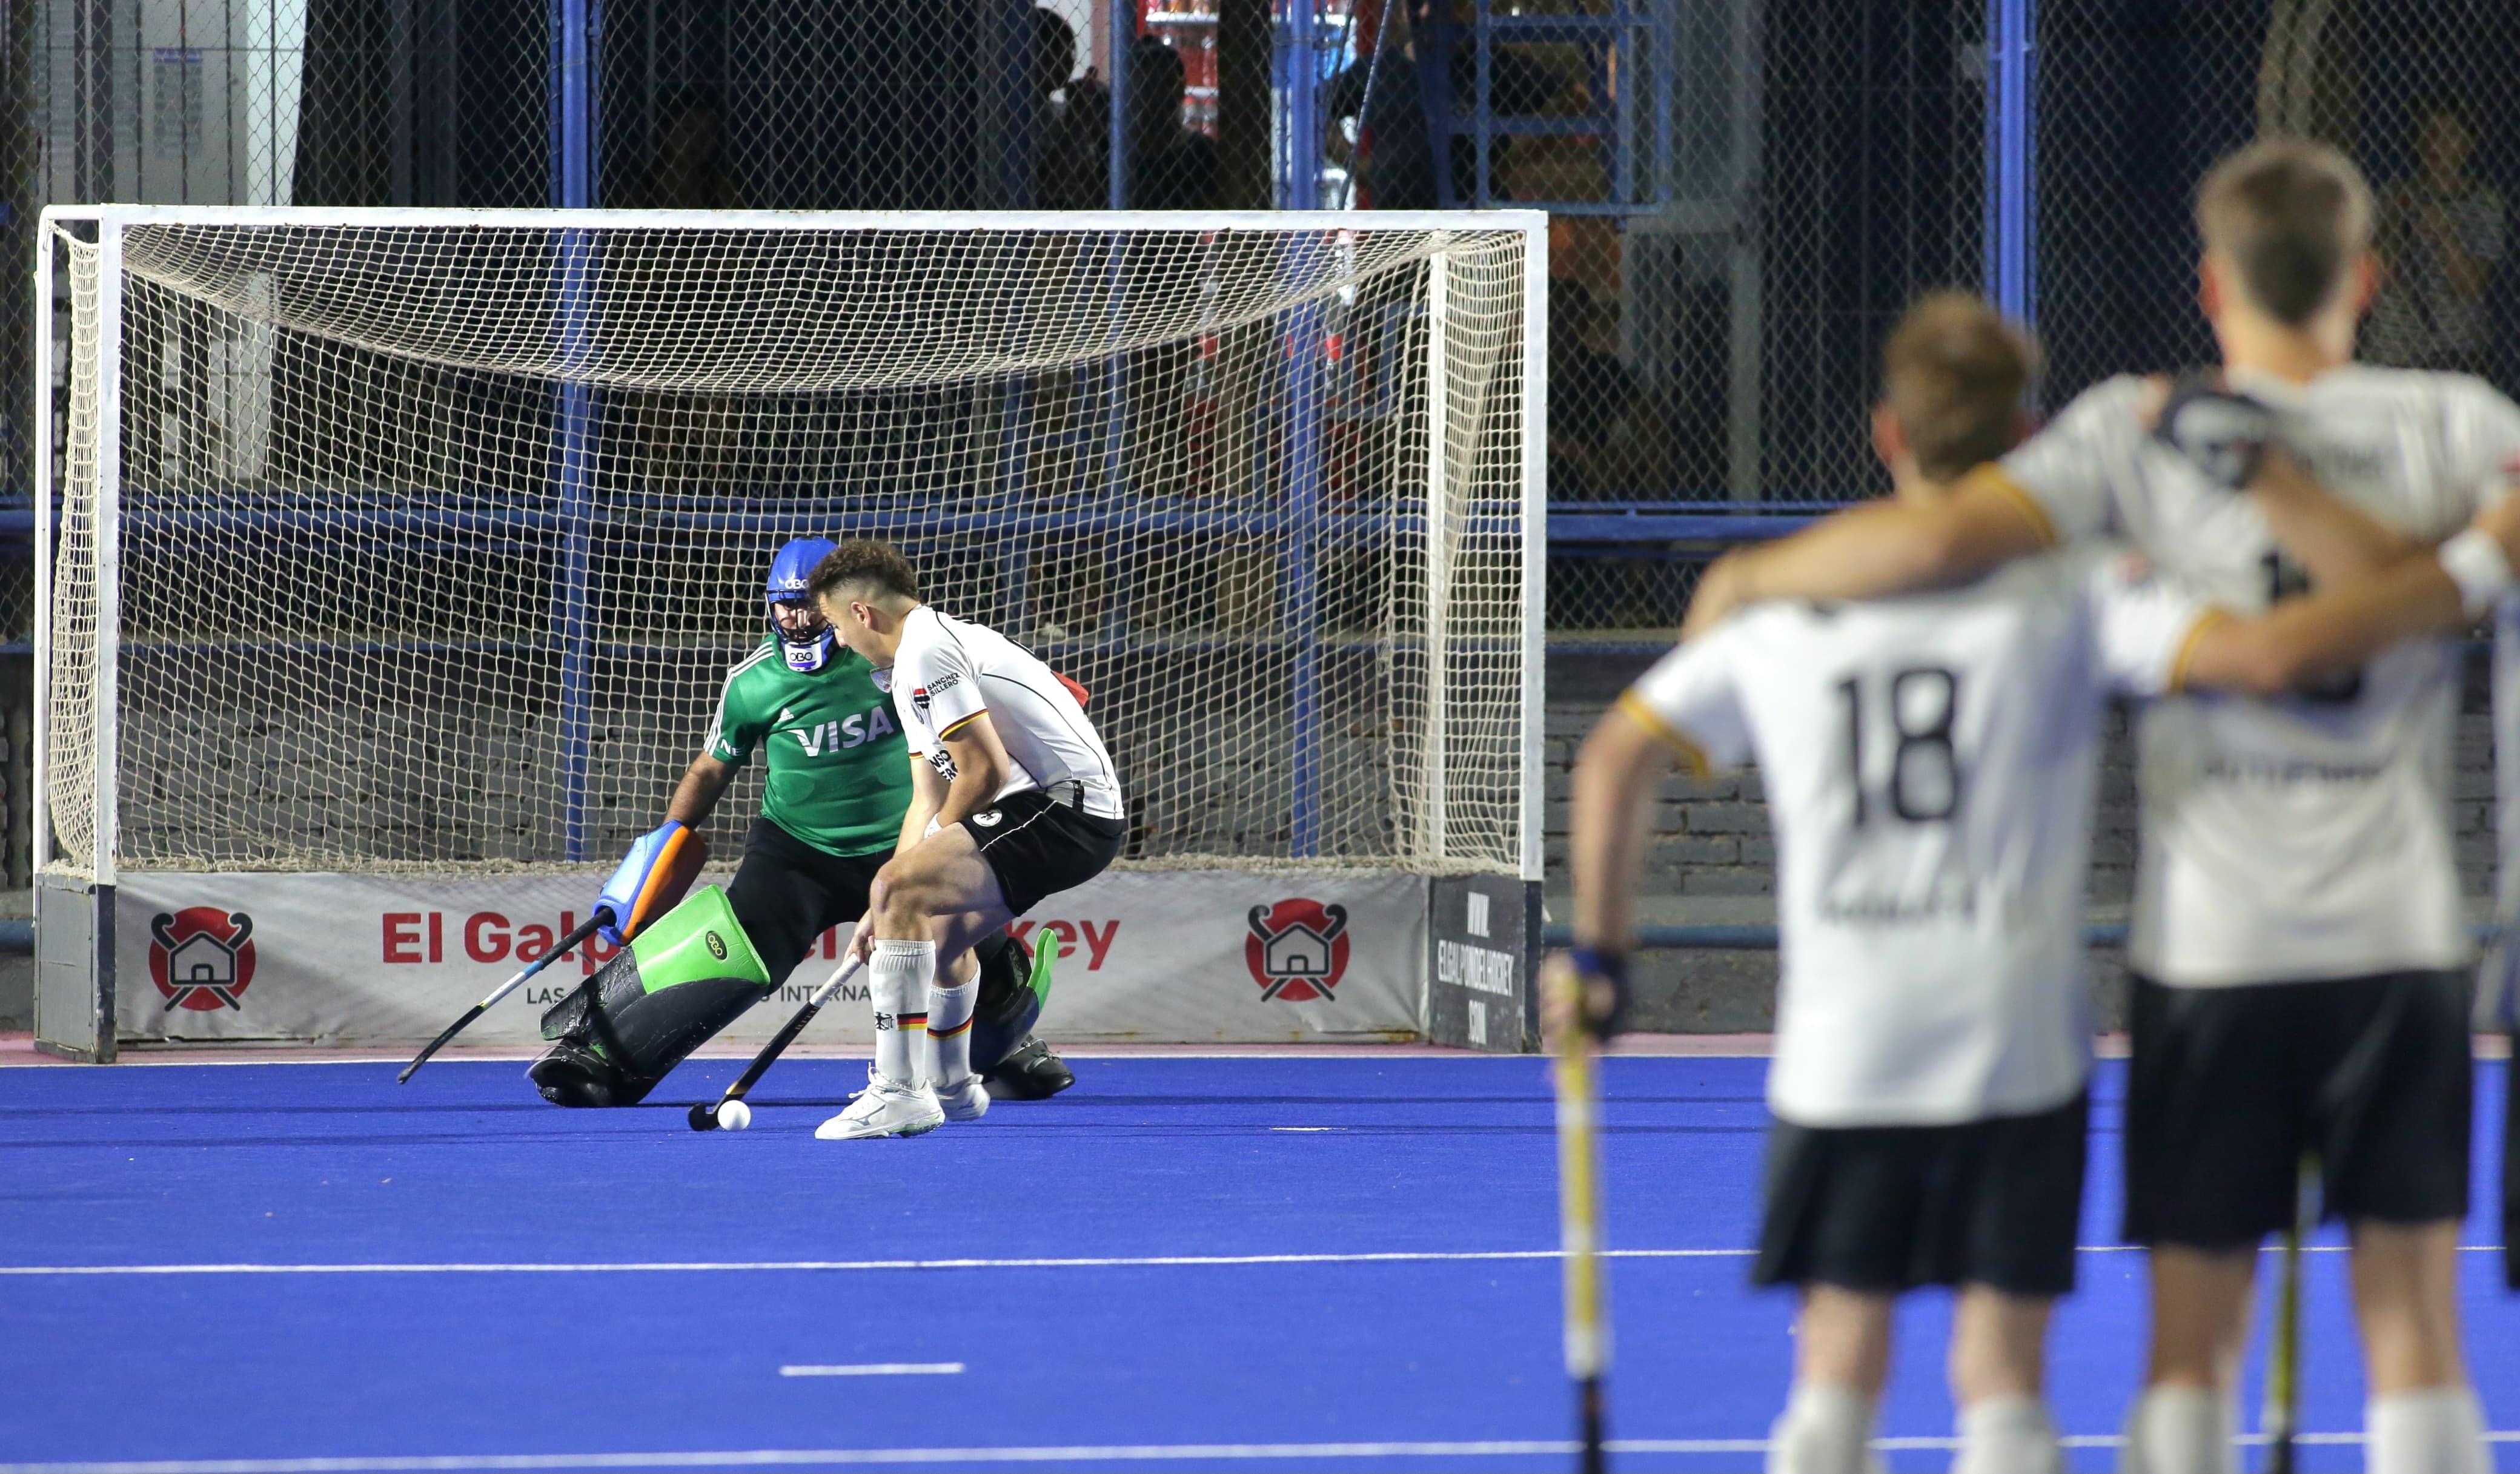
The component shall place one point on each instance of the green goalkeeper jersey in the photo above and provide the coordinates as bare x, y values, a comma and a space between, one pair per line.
839, 771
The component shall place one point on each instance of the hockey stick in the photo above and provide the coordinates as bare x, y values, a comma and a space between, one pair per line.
703, 1116
2512, 1163
1579, 1228
2282, 1416
560, 949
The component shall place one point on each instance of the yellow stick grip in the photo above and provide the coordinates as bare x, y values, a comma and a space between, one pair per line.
1579, 1196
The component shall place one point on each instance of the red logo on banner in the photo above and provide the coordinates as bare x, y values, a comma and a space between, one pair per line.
201, 958
1297, 950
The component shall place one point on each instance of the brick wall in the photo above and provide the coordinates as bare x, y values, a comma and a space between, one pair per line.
1711, 834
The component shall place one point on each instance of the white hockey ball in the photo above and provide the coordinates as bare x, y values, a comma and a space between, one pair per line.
733, 1115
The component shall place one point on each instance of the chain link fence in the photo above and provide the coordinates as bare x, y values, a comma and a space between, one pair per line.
2136, 102
1745, 192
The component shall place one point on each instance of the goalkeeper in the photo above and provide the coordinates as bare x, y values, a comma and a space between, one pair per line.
839, 783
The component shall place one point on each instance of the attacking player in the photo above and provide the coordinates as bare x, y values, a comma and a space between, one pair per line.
831, 813
1930, 763
2297, 937
1013, 799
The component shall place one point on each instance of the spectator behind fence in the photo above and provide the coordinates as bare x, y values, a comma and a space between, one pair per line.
1171, 166
1078, 157
689, 171
2440, 239
1397, 168
1066, 135
1593, 401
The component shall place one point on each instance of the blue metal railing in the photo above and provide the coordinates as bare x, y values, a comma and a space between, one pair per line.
1575, 528
1629, 55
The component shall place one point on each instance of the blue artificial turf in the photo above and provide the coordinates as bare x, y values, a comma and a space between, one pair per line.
1309, 1158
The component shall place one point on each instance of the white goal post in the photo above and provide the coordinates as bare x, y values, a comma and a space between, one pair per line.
401, 555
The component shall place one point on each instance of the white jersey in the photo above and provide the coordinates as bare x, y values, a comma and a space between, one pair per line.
1929, 763
2306, 836
946, 672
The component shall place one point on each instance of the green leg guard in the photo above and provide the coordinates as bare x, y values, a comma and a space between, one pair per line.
688, 975
1006, 1006
1014, 983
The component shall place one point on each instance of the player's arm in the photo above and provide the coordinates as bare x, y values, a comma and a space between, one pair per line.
663, 862
703, 784
2332, 539
2230, 438
927, 796
2302, 639
1680, 712
980, 766
1878, 549
1617, 776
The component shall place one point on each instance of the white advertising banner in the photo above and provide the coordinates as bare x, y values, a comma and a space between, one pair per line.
1157, 956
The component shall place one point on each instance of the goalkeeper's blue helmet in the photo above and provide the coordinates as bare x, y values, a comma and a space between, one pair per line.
791, 568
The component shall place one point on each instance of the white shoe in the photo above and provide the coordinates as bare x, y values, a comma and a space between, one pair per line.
968, 1102
885, 1109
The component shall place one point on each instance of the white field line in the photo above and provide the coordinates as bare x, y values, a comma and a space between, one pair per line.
879, 1370
703, 1267
1074, 1454
882, 1266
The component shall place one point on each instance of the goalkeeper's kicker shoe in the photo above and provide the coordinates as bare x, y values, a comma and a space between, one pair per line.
885, 1109
572, 1075
966, 1101
1029, 1072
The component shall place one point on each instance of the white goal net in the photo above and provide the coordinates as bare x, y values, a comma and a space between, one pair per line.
420, 540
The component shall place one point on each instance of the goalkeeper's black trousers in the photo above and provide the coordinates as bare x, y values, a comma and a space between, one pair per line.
786, 894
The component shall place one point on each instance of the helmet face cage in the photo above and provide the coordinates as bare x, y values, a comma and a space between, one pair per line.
809, 649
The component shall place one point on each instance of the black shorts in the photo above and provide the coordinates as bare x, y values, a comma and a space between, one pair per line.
787, 893
1889, 1208
1038, 847
2230, 1087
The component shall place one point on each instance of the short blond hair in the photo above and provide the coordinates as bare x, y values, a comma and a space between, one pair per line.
1954, 372
2291, 213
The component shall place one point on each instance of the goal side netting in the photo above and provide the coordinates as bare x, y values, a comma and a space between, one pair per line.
400, 540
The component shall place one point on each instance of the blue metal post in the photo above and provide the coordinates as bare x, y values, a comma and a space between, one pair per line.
2011, 142
1294, 77
1124, 34
571, 88
1115, 374
1302, 461
1482, 106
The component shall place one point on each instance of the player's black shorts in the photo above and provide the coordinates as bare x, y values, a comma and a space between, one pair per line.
1038, 846
1888, 1208
2228, 1086
787, 893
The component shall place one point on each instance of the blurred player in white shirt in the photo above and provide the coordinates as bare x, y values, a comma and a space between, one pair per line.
1013, 798
1930, 762
2296, 935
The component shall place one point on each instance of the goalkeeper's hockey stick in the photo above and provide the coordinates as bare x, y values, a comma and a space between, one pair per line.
560, 949
703, 1116
1579, 1230
2282, 1416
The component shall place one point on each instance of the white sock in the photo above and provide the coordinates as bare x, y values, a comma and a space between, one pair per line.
949, 1033
2176, 1429
898, 988
2439, 1430
2008, 1436
1827, 1429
